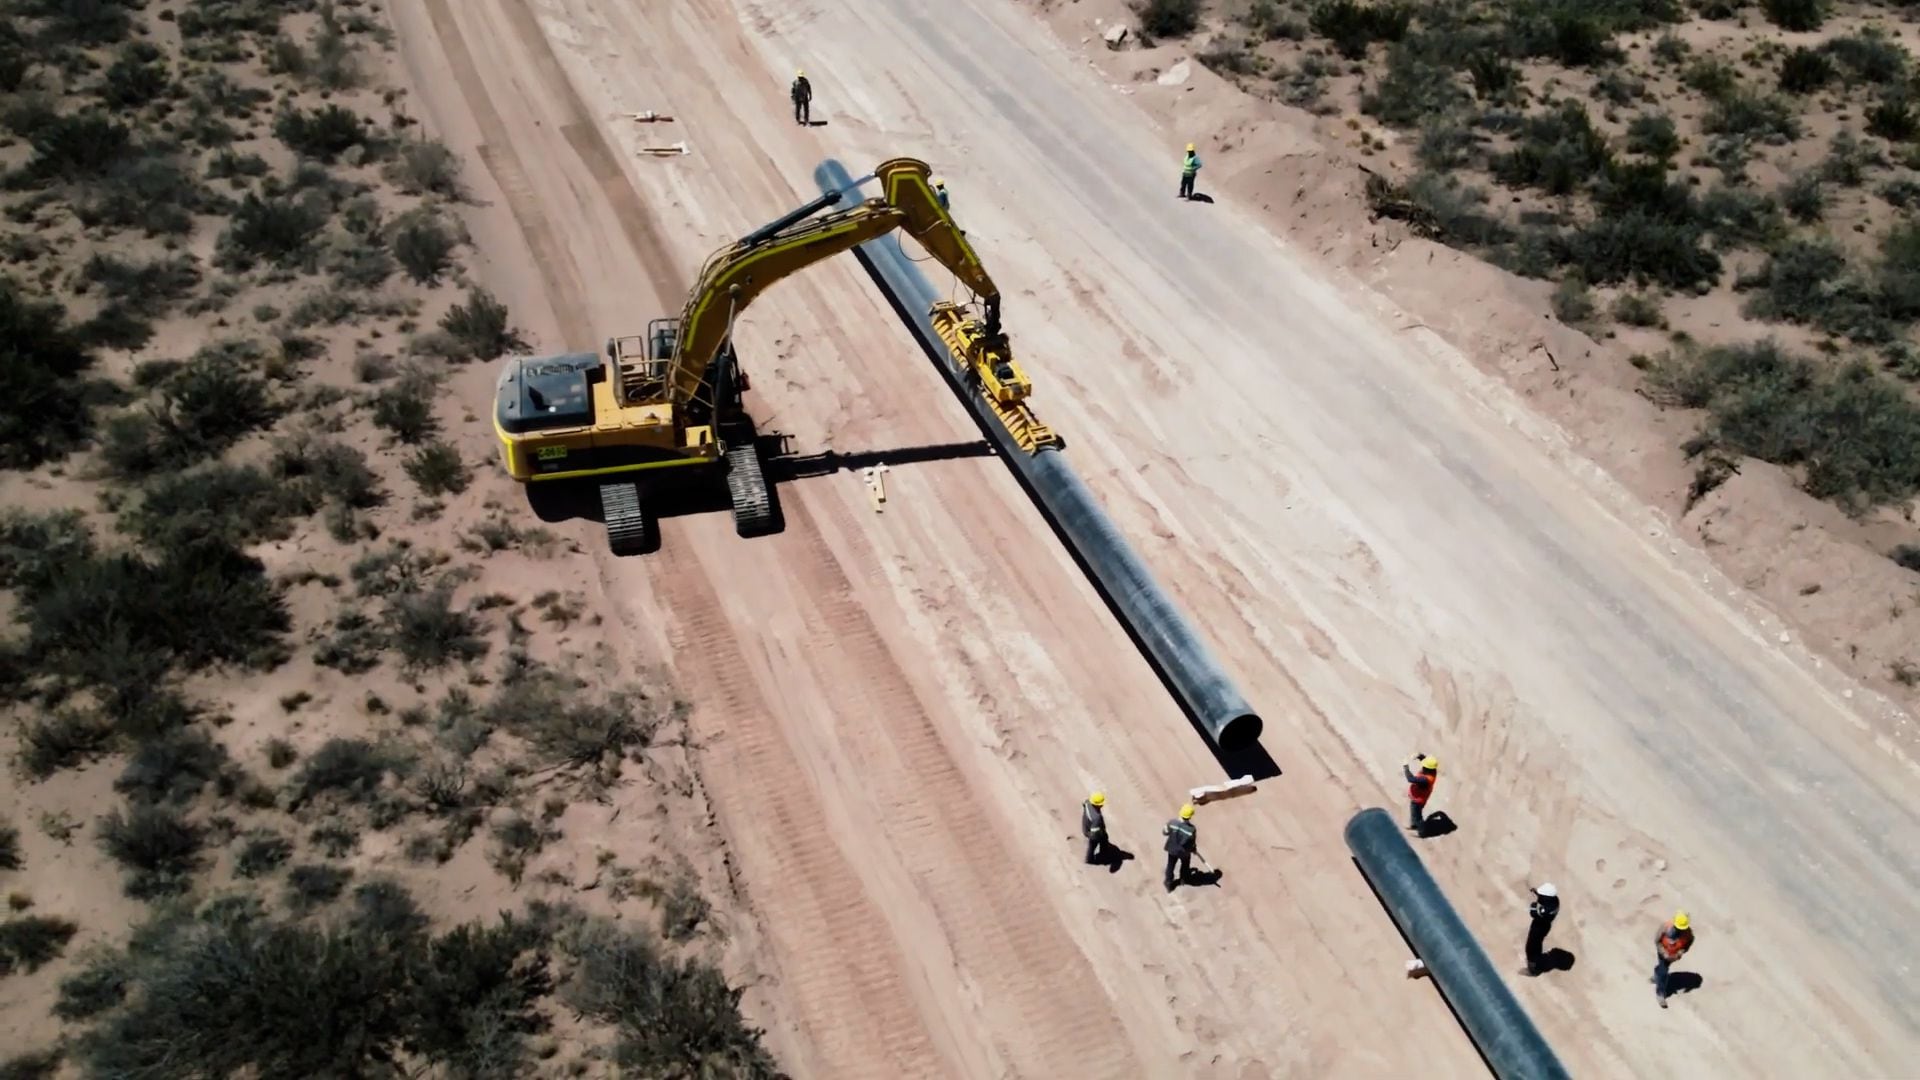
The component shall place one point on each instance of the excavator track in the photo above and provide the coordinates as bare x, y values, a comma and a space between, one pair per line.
628, 530
747, 488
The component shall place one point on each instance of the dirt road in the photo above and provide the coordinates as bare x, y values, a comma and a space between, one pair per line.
899, 712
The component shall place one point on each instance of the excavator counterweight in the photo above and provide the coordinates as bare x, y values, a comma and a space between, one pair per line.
665, 403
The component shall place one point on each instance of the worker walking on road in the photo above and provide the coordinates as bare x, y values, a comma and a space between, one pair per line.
1546, 905
1672, 943
1093, 826
1419, 790
802, 94
1189, 168
1182, 840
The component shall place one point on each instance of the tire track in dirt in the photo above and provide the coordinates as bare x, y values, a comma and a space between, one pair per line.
741, 745
981, 901
497, 154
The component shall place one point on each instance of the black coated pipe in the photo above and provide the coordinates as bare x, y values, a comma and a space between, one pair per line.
1493, 1017
1209, 695
827, 199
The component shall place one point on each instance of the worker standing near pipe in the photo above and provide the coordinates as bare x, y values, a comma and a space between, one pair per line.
1093, 826
1189, 169
1546, 905
1672, 943
1182, 840
802, 94
1419, 790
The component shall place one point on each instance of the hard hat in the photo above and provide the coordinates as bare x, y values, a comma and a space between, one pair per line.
1680, 920
1430, 763
1097, 799
799, 74
937, 182
1189, 148
1186, 812
1545, 889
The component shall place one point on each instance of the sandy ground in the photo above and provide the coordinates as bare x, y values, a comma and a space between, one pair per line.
898, 713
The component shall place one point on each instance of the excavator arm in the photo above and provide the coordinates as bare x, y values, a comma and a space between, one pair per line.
735, 275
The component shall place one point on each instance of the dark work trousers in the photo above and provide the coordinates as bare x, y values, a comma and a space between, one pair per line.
1097, 848
1660, 966
1186, 185
1416, 816
1536, 945
802, 111
1179, 865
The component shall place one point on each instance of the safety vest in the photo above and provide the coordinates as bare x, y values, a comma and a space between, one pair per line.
1673, 943
1092, 821
1421, 787
1190, 165
1180, 837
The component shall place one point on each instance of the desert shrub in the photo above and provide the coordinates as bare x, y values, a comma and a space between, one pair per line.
150, 286
1901, 193
322, 134
1653, 134
1907, 555
95, 988
429, 633
1712, 76
1892, 117
1168, 18
1414, 87
1640, 247
1644, 186
1351, 26
203, 407
1805, 70
474, 998
1230, 56
1556, 151
1438, 207
335, 840
63, 740
1573, 301
1795, 15
172, 768
519, 838
479, 329
668, 1012
553, 714
384, 910
10, 858
280, 753
1848, 159
396, 569
1803, 282
1266, 22
1854, 434
228, 165
1741, 216
437, 469
354, 767
156, 193
45, 397
159, 848
426, 166
406, 407
424, 246
80, 22
357, 263
33, 1065
352, 646
321, 471
1447, 143
236, 503
137, 76
78, 146
26, 944
230, 18
313, 885
1870, 56
262, 852
682, 910
1756, 116
277, 229
1638, 309
1897, 276
1802, 197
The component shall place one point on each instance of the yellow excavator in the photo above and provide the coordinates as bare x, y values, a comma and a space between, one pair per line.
667, 404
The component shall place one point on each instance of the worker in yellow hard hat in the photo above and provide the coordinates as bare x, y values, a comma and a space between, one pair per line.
1670, 945
1182, 842
1419, 790
1189, 168
802, 94
1093, 826
940, 193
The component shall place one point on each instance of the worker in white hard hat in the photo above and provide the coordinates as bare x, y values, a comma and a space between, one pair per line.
802, 95
940, 193
1546, 905
1093, 826
1189, 168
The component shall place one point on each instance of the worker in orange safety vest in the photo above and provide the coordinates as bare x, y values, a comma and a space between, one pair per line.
1419, 790
1669, 946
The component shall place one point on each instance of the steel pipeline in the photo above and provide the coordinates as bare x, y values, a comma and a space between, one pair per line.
1493, 1017
1185, 660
